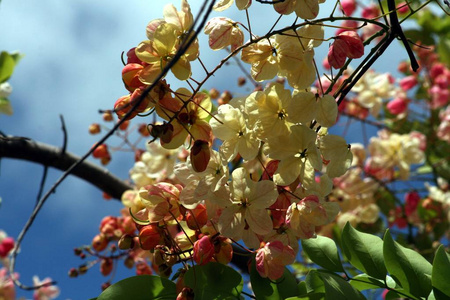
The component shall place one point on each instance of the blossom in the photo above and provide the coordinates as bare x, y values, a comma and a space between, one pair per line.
298, 156
304, 216
372, 89
305, 9
221, 5
289, 55
46, 292
336, 152
245, 204
229, 125
155, 164
223, 32
161, 201
272, 259
393, 150
7, 290
190, 121
346, 44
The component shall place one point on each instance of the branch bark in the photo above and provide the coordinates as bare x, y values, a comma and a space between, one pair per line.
55, 157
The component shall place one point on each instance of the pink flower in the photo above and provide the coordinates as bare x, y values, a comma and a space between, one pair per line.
348, 6
46, 292
346, 44
371, 12
402, 8
421, 137
397, 106
439, 96
6, 245
7, 291
411, 201
408, 83
203, 250
272, 258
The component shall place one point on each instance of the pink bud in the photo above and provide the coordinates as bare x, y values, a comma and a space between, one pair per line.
132, 58
402, 8
412, 199
6, 245
408, 82
371, 12
203, 250
130, 76
348, 6
397, 106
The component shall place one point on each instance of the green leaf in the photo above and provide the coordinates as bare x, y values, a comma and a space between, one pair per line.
441, 274
214, 281
408, 268
337, 288
364, 251
314, 296
314, 284
444, 50
264, 288
5, 107
323, 251
142, 287
7, 64
363, 282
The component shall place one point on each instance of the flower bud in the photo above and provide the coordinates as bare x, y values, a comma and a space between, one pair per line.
408, 83
126, 242
6, 245
130, 76
348, 6
129, 262
73, 273
203, 250
107, 116
213, 93
101, 151
200, 155
397, 106
99, 242
94, 128
143, 130
149, 237
197, 217
106, 266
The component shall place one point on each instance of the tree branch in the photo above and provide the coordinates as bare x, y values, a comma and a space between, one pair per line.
51, 156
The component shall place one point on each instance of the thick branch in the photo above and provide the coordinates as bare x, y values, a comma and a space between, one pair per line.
51, 156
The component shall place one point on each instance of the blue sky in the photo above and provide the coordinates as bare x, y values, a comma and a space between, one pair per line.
72, 67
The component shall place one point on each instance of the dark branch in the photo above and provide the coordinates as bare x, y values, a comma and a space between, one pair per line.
51, 156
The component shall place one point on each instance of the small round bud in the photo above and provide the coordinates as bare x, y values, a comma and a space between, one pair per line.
241, 81
143, 130
82, 269
73, 273
99, 242
94, 128
107, 116
213, 93
106, 266
129, 262
126, 242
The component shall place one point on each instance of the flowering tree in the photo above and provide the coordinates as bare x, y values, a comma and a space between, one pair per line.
259, 181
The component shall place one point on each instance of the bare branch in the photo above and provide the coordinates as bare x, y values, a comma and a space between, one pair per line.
51, 156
